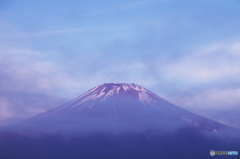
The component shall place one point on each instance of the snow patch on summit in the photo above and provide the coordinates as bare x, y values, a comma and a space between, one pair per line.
109, 93
125, 88
105, 91
118, 89
143, 97
137, 88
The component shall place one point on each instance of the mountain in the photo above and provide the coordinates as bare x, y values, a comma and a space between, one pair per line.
117, 121
120, 107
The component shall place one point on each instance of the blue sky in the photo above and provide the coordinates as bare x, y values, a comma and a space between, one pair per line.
188, 52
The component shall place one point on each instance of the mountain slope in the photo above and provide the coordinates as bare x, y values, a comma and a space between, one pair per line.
121, 107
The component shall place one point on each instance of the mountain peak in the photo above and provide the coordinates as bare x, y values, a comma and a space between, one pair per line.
124, 86
107, 90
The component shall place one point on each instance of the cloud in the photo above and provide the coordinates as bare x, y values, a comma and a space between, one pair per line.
17, 106
26, 68
29, 84
218, 99
212, 63
219, 104
6, 111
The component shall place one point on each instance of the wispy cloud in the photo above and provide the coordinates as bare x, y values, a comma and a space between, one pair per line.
213, 63
222, 105
218, 99
6, 111
56, 32
17, 106
23, 66
29, 84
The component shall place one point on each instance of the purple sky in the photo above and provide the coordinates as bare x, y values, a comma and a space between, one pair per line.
187, 52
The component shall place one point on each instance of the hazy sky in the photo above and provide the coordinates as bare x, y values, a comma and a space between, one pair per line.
187, 52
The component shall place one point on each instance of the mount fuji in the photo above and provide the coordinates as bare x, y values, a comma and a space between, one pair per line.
120, 107
117, 121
